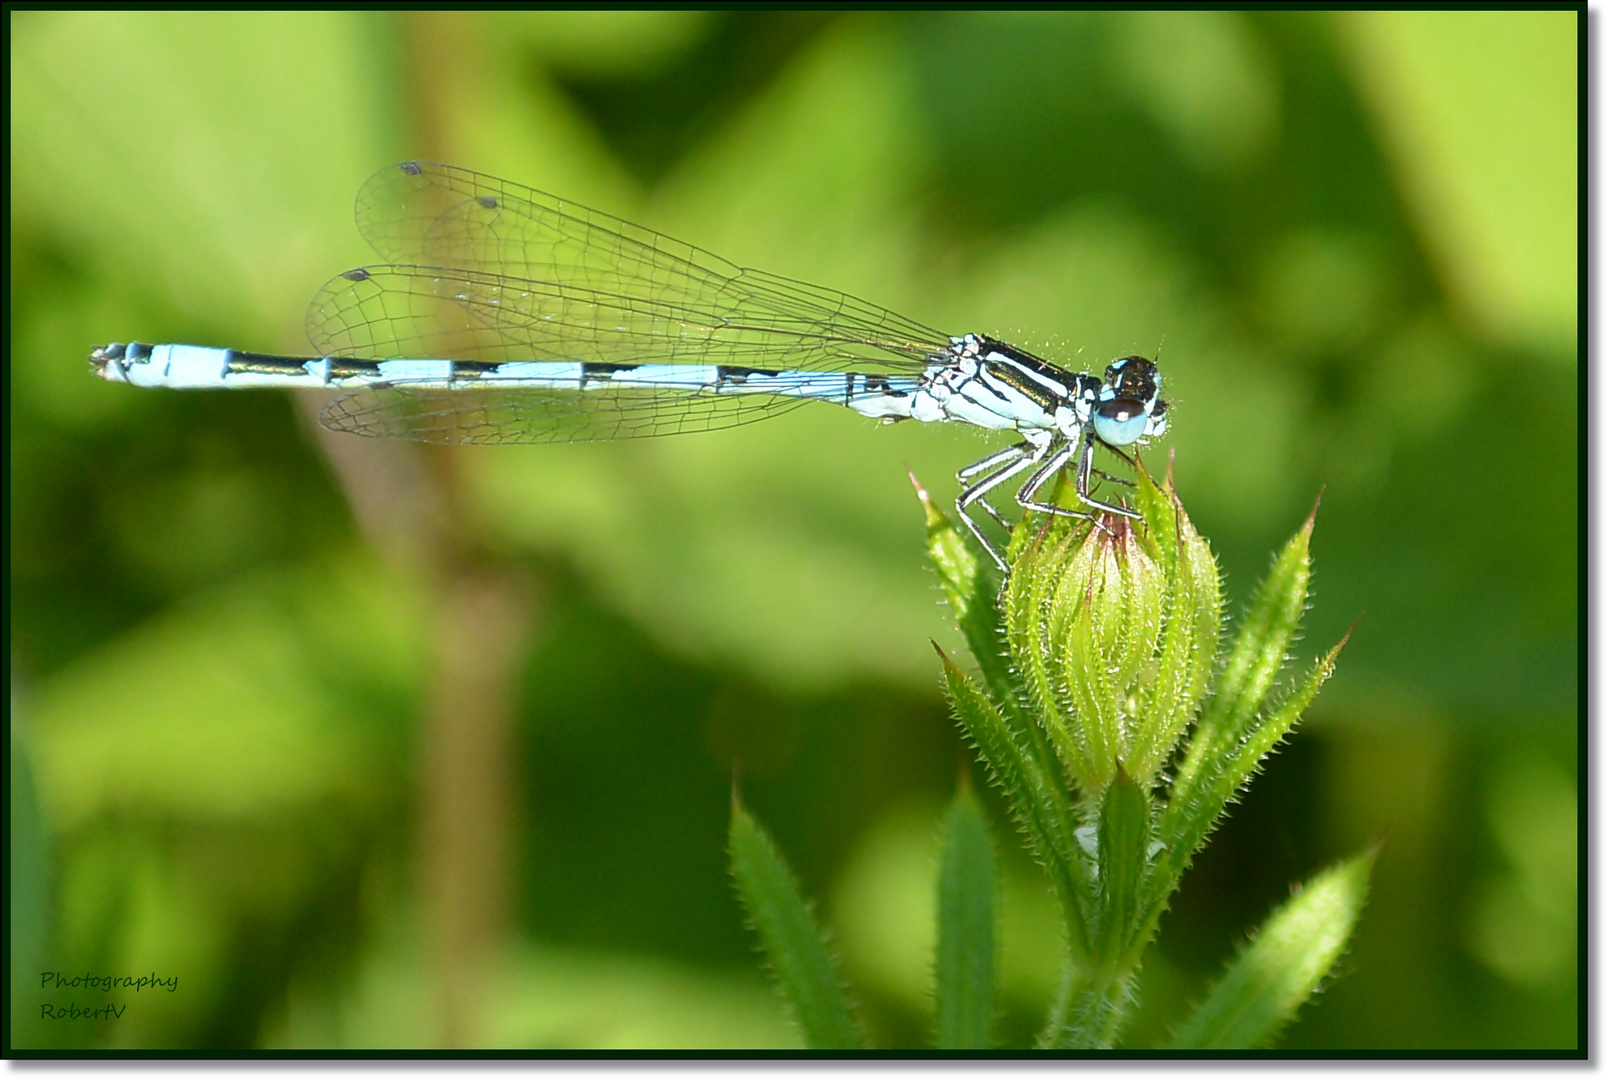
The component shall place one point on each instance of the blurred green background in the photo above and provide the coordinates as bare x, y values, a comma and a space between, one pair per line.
373, 747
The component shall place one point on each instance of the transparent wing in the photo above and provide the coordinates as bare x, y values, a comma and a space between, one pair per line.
386, 312
624, 289
436, 414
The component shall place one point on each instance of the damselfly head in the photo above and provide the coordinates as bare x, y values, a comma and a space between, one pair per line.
1130, 406
1132, 377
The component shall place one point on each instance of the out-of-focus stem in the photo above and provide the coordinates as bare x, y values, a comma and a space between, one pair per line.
408, 504
467, 786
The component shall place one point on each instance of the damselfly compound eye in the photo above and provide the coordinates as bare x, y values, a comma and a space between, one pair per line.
1120, 422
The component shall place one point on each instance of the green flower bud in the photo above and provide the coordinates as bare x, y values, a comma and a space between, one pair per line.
1112, 626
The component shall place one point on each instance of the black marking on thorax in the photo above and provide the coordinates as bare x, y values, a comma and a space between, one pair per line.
1055, 374
1033, 390
1013, 367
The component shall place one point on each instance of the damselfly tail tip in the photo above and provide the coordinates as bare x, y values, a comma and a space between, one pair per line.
112, 362
107, 360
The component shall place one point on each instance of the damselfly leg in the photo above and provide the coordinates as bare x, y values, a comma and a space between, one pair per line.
1006, 463
1050, 459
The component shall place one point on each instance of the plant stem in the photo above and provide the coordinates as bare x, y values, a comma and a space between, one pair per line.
1089, 1009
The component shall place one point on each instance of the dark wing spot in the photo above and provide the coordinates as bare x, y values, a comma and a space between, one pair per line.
488, 201
359, 274
412, 168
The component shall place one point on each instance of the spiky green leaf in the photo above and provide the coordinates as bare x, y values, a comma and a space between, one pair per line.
1283, 965
1037, 799
970, 590
1124, 848
1190, 817
1254, 661
793, 944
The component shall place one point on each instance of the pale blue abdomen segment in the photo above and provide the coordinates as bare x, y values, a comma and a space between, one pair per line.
467, 401
547, 402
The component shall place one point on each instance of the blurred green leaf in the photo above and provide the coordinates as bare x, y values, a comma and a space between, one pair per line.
966, 950
1481, 109
222, 219
236, 705
30, 900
